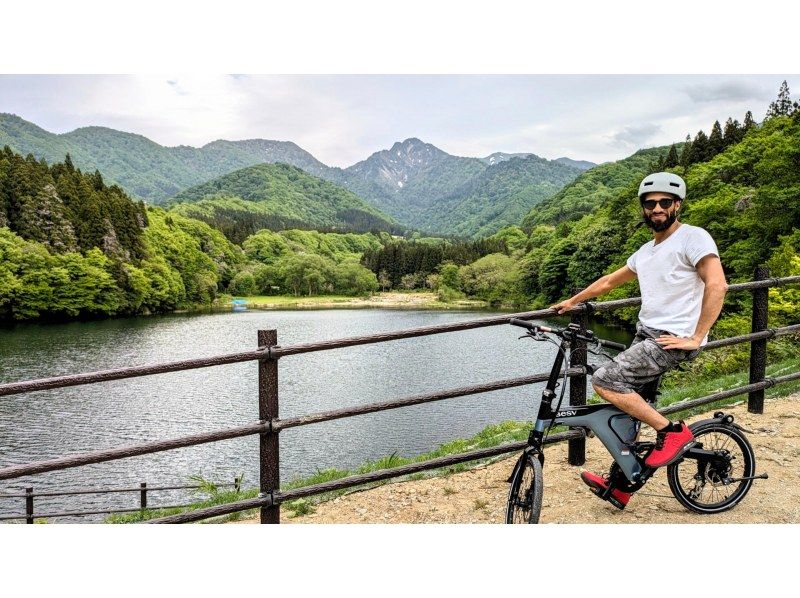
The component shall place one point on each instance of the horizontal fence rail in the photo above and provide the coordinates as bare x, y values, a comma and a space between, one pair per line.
269, 425
142, 490
276, 352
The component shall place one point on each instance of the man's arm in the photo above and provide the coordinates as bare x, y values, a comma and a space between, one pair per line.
710, 270
599, 287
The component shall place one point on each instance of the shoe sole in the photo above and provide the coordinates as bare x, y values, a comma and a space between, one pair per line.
597, 489
677, 456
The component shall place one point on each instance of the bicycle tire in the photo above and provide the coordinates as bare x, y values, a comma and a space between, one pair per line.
710, 494
525, 496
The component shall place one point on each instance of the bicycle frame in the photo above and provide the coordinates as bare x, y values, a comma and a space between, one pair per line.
613, 427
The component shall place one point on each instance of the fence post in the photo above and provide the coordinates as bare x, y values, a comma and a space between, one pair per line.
577, 387
29, 505
758, 348
143, 496
268, 410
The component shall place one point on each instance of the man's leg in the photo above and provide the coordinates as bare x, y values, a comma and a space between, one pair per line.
633, 404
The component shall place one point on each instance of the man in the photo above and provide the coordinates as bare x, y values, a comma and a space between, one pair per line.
683, 288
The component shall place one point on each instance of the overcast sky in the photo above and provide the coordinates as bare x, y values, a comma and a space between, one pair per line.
344, 119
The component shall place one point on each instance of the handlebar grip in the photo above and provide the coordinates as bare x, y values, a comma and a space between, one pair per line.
522, 323
612, 344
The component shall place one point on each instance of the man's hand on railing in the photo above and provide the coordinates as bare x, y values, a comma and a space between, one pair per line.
564, 306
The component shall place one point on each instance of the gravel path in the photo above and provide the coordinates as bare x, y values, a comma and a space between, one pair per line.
479, 495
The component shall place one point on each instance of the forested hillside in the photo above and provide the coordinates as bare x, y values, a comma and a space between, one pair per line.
71, 246
277, 196
431, 190
498, 197
298, 262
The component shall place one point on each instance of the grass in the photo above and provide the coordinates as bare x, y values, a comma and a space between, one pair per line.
493, 435
291, 301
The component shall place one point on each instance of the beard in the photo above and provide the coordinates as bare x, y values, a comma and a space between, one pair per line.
660, 225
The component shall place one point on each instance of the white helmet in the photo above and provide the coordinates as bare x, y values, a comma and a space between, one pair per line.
665, 182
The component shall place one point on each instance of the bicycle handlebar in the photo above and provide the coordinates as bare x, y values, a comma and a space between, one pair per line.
560, 332
612, 344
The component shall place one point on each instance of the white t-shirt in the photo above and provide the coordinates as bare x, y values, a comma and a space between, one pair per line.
672, 290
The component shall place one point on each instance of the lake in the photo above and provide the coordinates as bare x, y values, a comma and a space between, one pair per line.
47, 424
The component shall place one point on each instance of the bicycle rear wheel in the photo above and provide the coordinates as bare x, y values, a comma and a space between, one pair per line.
525, 496
714, 485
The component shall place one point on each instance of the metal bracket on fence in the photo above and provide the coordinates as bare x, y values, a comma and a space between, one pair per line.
270, 352
265, 495
589, 307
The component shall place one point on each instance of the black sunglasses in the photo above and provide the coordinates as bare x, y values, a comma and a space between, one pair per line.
665, 204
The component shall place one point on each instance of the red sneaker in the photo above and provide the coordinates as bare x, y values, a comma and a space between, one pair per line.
670, 447
599, 484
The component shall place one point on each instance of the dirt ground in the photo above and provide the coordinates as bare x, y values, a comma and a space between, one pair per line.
479, 495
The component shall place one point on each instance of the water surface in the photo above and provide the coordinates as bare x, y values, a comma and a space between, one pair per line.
47, 424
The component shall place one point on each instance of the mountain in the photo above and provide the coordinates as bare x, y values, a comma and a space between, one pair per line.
579, 164
277, 196
498, 157
409, 178
413, 182
142, 167
500, 196
584, 194
429, 189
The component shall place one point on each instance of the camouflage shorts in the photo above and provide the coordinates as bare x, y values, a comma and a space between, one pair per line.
644, 361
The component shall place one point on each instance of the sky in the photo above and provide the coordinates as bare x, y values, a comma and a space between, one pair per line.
342, 119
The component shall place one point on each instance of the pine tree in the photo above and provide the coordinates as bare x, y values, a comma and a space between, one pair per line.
700, 148
783, 105
749, 123
672, 158
715, 142
732, 133
687, 151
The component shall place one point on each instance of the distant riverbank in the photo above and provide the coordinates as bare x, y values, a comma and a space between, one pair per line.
413, 300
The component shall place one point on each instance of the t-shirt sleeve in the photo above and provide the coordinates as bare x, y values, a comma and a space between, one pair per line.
631, 263
699, 245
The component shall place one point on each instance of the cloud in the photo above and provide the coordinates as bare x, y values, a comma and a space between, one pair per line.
727, 91
635, 135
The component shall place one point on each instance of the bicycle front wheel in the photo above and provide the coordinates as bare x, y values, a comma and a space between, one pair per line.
525, 496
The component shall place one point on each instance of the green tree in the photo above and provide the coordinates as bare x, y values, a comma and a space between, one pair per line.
749, 123
781, 106
243, 285
672, 160
354, 279
701, 150
733, 132
686, 154
716, 144
494, 278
